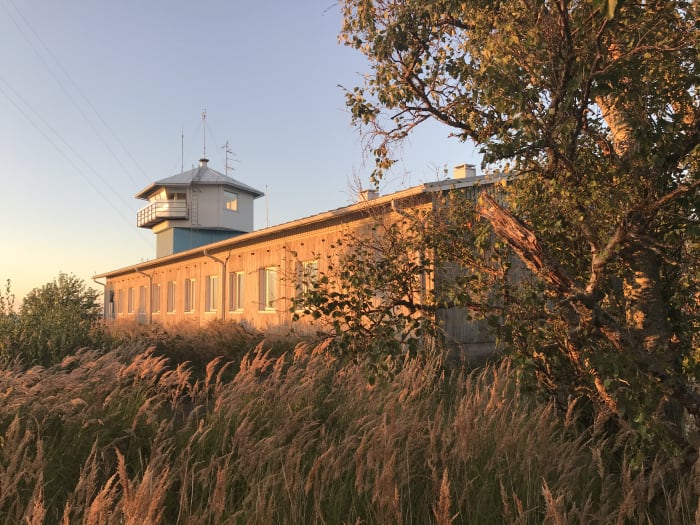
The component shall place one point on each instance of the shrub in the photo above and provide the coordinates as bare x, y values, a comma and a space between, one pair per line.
52, 322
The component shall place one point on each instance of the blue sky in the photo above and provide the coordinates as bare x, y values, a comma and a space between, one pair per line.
95, 97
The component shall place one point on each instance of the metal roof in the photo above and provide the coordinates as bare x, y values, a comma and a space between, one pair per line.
202, 174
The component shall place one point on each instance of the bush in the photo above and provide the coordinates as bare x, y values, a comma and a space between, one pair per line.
53, 322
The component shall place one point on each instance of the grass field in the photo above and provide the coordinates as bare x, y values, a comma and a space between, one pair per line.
218, 426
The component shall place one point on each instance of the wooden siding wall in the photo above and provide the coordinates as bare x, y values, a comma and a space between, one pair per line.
284, 253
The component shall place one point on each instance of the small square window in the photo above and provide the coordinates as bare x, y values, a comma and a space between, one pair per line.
230, 201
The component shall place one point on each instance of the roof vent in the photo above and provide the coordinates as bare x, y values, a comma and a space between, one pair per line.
203, 162
368, 195
464, 171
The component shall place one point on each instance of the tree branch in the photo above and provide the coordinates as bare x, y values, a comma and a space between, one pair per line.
524, 243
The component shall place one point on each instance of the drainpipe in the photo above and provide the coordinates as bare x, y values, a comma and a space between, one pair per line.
223, 279
104, 295
149, 291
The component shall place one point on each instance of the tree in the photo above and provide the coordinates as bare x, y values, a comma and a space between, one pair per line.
53, 321
594, 108
386, 284
372, 297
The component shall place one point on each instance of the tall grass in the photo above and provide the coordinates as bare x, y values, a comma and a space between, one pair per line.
131, 436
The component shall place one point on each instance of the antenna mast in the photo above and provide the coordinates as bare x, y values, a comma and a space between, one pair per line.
227, 151
204, 133
182, 148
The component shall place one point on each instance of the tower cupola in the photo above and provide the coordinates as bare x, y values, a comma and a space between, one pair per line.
196, 207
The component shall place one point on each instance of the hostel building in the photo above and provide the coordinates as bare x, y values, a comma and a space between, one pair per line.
211, 264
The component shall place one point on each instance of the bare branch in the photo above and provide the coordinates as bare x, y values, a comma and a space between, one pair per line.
524, 243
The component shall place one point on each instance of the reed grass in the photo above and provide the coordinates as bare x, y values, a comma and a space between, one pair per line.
133, 436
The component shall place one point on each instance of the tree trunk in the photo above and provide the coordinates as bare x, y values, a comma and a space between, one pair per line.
646, 308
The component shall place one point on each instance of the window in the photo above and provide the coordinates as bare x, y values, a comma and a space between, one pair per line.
155, 298
110, 306
171, 297
268, 288
120, 302
142, 299
130, 302
212, 296
307, 276
190, 294
230, 201
235, 291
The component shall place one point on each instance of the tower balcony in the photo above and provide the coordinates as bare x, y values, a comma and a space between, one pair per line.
159, 211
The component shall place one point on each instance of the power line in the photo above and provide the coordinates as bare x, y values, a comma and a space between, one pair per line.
76, 88
50, 140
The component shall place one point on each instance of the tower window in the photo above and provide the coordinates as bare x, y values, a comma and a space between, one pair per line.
230, 201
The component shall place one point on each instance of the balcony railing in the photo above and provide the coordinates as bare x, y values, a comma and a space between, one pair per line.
159, 211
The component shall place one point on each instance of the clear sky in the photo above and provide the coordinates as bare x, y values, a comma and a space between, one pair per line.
95, 97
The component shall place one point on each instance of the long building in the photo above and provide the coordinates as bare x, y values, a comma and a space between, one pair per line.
210, 263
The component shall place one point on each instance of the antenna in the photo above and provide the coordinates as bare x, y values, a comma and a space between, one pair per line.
204, 133
227, 151
267, 207
230, 157
182, 148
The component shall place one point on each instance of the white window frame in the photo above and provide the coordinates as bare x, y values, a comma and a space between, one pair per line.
211, 300
130, 301
190, 295
170, 300
307, 274
236, 291
155, 298
142, 299
268, 288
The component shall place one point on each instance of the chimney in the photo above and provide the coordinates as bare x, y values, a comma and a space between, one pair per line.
368, 195
464, 171
203, 162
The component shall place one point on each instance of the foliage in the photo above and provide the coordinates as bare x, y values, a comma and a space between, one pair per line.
593, 108
52, 322
126, 436
196, 344
8, 319
379, 297
372, 296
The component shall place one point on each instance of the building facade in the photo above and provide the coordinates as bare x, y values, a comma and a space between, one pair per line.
251, 277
